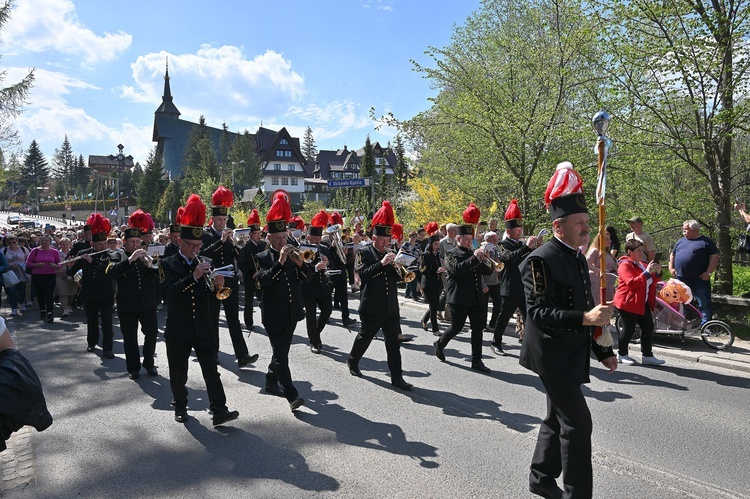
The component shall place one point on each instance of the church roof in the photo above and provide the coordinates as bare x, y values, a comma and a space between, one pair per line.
167, 106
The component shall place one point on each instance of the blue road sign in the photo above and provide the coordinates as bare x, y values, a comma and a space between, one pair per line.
349, 182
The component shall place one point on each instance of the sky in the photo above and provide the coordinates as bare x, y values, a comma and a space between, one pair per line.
99, 66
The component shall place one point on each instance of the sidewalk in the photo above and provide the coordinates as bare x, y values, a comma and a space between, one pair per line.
735, 358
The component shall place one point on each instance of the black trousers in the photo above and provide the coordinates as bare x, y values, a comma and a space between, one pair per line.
494, 295
564, 442
432, 294
477, 317
280, 336
232, 313
315, 326
44, 285
178, 355
249, 296
350, 272
507, 308
629, 321
93, 310
371, 324
129, 327
341, 295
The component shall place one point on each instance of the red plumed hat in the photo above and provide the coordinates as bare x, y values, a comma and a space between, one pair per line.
383, 220
564, 194
139, 220
297, 223
320, 219
100, 227
513, 215
432, 228
253, 221
336, 218
178, 217
193, 218
221, 200
279, 213
471, 214
397, 232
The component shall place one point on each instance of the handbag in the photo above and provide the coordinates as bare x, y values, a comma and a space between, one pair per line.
743, 245
10, 279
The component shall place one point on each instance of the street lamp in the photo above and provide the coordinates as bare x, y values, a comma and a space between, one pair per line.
121, 162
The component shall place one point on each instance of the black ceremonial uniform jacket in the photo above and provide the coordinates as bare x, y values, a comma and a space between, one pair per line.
464, 275
556, 345
189, 302
170, 249
512, 253
95, 284
335, 262
77, 247
429, 269
247, 261
318, 285
221, 254
282, 288
137, 284
379, 283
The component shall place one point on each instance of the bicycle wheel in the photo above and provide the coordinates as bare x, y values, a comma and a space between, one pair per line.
717, 334
635, 339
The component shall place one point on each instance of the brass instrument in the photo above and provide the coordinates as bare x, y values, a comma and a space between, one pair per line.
70, 260
223, 292
487, 259
307, 255
334, 233
405, 274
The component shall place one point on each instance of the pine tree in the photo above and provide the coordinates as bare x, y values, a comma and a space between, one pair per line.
199, 162
308, 145
224, 162
64, 169
247, 172
367, 168
170, 201
35, 171
151, 185
80, 173
401, 169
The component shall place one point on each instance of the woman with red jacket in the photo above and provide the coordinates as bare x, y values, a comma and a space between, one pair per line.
635, 298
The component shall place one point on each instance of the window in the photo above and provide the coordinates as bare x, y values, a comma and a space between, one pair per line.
378, 160
283, 142
275, 181
277, 166
284, 181
295, 181
290, 168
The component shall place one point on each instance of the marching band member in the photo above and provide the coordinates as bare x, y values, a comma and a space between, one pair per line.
97, 290
432, 270
559, 339
218, 245
172, 247
281, 274
252, 247
138, 294
378, 306
512, 252
316, 293
189, 324
465, 268
337, 261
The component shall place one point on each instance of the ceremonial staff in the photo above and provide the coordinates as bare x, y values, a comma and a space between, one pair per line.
601, 123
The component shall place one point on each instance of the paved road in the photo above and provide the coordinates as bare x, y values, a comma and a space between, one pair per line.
677, 431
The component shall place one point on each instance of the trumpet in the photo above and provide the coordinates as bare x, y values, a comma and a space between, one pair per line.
151, 261
222, 292
487, 259
404, 273
305, 253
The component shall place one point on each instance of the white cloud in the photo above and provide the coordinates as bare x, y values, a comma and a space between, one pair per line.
220, 81
333, 119
384, 5
52, 25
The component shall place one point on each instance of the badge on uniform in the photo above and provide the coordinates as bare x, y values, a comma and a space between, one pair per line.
539, 276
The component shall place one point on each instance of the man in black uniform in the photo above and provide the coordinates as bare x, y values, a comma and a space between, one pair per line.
189, 324
378, 306
337, 256
512, 252
281, 273
465, 298
559, 339
316, 293
172, 246
137, 298
97, 290
219, 246
81, 245
249, 266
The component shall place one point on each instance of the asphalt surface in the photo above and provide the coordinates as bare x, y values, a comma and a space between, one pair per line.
676, 431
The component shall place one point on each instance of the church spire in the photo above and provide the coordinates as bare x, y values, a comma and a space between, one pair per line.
167, 106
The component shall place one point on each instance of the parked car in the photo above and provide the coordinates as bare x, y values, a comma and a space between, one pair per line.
13, 219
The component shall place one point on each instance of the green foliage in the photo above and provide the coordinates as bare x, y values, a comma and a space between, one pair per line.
246, 169
309, 150
35, 171
741, 280
171, 200
150, 187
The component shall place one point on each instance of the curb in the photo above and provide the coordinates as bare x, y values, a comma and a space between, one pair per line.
709, 359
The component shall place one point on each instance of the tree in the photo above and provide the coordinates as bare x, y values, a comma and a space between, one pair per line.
64, 168
151, 185
35, 171
80, 173
199, 160
171, 200
246, 167
678, 69
401, 168
309, 150
13, 97
224, 161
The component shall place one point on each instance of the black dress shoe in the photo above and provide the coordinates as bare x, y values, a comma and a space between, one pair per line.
296, 404
498, 350
348, 321
400, 383
550, 491
275, 389
405, 339
353, 367
479, 366
246, 360
108, 355
181, 415
134, 375
439, 352
315, 348
90, 348
152, 371
224, 416
424, 326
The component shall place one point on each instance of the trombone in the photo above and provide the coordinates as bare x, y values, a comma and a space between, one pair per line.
334, 234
